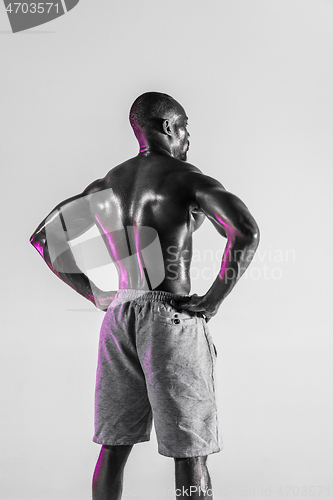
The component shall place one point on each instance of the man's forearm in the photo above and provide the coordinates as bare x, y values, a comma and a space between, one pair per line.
236, 259
65, 267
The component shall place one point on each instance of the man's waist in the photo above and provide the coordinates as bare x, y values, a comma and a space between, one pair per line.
147, 295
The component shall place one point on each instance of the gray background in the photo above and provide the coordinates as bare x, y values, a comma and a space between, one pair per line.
256, 79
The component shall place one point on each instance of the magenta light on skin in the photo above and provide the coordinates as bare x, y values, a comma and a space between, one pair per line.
227, 228
230, 234
99, 468
39, 247
224, 263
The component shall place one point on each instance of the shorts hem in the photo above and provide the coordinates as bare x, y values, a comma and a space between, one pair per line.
123, 441
190, 454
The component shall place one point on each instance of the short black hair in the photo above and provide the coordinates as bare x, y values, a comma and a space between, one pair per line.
151, 106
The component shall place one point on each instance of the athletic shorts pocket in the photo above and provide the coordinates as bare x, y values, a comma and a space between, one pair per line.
172, 316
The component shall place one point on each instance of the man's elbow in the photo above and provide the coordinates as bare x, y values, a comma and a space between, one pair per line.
251, 235
39, 242
36, 239
32, 239
255, 236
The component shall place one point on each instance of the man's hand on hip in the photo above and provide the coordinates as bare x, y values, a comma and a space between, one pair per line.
196, 303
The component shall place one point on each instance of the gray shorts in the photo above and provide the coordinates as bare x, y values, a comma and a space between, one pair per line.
158, 362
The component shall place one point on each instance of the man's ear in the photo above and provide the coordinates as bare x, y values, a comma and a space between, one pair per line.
166, 127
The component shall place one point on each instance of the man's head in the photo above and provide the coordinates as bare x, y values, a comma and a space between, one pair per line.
160, 121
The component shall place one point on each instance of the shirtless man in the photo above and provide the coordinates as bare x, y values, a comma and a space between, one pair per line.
156, 356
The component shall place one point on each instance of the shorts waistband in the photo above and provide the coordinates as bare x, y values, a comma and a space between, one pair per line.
150, 296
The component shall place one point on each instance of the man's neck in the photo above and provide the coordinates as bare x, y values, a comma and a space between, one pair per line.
154, 148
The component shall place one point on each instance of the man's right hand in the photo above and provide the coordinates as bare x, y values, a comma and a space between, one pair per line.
198, 304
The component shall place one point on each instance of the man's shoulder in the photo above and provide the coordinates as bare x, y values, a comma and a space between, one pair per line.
105, 182
181, 172
95, 186
198, 180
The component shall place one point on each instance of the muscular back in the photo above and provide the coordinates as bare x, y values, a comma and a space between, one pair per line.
146, 212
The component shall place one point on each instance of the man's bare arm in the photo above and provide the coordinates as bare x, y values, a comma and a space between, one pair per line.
231, 218
67, 221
